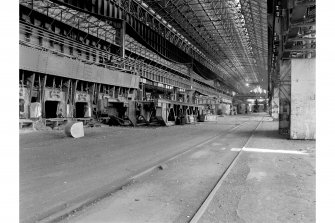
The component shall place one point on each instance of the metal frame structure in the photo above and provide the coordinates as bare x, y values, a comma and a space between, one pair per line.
136, 53
293, 34
221, 40
155, 29
144, 24
231, 33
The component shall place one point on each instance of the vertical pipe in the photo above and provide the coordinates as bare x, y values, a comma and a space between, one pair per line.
32, 81
67, 96
74, 90
122, 39
272, 43
40, 89
43, 92
97, 98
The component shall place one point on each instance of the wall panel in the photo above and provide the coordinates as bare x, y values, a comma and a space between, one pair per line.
303, 110
48, 63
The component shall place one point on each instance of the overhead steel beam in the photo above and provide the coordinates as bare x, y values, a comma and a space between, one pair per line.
296, 39
150, 30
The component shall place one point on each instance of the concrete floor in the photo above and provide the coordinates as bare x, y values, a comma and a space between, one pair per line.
268, 186
56, 173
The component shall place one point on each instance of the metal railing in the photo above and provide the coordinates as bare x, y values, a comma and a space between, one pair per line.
46, 40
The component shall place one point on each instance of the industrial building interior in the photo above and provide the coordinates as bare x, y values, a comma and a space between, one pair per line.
167, 110
201, 57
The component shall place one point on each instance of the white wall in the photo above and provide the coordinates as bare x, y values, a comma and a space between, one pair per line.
303, 109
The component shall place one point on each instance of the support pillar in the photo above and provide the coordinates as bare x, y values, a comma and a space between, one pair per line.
284, 96
68, 99
303, 105
275, 104
185, 97
120, 36
175, 92
191, 92
31, 88
44, 81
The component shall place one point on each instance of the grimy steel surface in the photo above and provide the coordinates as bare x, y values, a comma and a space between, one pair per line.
139, 56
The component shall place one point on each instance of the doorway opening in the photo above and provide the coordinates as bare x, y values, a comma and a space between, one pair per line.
51, 109
171, 116
81, 108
